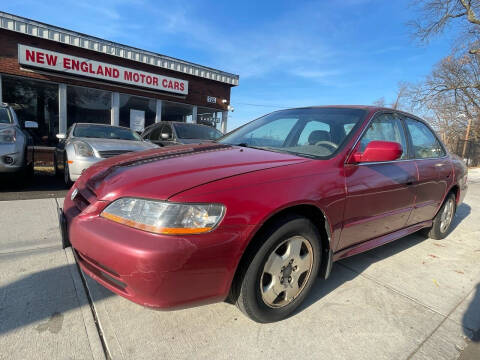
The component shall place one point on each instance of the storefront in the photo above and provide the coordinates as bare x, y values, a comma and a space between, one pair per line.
58, 77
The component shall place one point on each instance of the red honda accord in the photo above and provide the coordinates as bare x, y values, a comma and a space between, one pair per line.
255, 217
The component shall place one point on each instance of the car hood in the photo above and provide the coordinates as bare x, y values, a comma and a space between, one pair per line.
4, 126
116, 144
162, 173
194, 141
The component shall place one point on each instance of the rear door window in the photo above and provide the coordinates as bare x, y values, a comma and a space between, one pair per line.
5, 116
425, 143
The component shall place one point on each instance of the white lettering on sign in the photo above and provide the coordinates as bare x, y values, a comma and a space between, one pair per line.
211, 99
55, 61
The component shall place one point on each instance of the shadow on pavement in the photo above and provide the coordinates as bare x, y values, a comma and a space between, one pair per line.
471, 317
337, 278
43, 185
44, 296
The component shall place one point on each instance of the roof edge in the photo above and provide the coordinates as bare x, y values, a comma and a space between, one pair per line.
64, 36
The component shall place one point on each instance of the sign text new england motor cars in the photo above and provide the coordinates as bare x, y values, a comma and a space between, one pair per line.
55, 61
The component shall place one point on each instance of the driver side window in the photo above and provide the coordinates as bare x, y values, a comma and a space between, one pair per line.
385, 127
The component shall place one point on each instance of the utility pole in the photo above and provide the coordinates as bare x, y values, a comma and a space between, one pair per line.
467, 133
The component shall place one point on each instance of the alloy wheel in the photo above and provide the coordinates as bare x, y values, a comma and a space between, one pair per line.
447, 215
286, 271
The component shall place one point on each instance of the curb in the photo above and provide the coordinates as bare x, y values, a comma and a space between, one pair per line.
88, 319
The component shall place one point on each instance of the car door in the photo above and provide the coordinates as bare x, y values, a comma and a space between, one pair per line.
379, 195
434, 170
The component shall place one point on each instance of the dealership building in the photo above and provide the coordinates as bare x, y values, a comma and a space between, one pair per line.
58, 77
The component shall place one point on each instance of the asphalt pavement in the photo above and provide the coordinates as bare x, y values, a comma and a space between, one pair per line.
43, 185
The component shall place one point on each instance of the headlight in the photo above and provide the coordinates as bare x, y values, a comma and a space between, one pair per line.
83, 149
8, 135
162, 217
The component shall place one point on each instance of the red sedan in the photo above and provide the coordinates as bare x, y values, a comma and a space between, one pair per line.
256, 216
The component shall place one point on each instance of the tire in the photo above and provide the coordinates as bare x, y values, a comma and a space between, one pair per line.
270, 286
66, 173
442, 222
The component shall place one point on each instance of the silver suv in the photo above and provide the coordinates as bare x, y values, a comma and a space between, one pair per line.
16, 145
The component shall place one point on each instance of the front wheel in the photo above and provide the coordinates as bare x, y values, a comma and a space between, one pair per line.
443, 220
282, 271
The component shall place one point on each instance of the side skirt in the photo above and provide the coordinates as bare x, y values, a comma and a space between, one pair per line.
385, 239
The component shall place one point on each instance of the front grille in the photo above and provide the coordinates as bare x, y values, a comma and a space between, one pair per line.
110, 153
105, 274
80, 201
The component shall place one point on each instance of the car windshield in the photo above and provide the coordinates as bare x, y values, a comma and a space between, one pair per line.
193, 131
105, 132
4, 116
310, 132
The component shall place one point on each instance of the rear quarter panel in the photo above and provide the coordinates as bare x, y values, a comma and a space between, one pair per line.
460, 177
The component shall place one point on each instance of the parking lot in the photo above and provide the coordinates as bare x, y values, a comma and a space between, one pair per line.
414, 298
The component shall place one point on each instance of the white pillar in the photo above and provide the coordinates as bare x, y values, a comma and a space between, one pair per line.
224, 121
1, 93
62, 109
194, 114
158, 113
115, 110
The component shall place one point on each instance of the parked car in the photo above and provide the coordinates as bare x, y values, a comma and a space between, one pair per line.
16, 144
168, 133
86, 144
255, 217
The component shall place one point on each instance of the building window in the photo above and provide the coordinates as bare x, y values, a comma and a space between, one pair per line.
136, 111
86, 105
172, 111
34, 101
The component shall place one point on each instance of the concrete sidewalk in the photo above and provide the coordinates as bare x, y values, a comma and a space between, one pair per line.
44, 311
414, 298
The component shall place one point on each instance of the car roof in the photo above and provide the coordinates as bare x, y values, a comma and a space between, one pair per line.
95, 124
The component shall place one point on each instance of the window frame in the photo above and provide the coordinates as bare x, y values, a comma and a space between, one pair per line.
410, 141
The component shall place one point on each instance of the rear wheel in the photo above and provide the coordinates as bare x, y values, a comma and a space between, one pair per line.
281, 273
443, 220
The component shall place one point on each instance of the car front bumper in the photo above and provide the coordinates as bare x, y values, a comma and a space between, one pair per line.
156, 271
78, 165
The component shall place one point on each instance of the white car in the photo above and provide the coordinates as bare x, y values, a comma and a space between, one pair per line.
85, 144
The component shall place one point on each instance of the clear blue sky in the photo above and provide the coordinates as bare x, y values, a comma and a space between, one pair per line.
287, 53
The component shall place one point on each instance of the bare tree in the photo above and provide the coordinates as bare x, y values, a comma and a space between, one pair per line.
437, 15
379, 102
402, 95
449, 97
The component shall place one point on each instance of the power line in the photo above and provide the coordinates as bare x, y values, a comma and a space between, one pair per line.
262, 105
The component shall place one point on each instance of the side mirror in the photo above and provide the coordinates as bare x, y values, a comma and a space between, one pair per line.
165, 136
61, 136
31, 125
378, 151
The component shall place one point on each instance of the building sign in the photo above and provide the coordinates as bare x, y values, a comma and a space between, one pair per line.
209, 118
51, 60
211, 99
